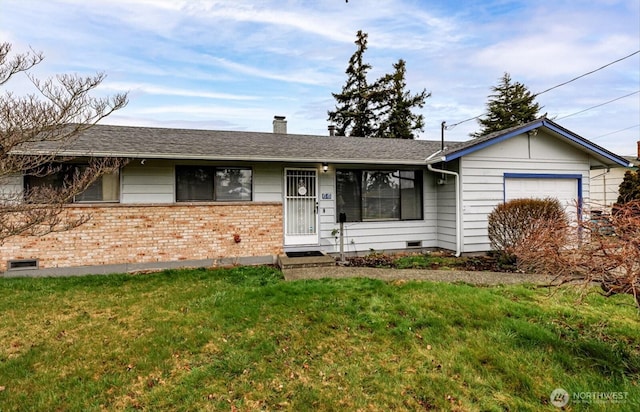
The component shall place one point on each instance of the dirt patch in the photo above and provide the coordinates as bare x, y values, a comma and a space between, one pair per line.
437, 260
387, 274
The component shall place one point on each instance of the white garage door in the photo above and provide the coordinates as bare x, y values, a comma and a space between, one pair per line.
563, 189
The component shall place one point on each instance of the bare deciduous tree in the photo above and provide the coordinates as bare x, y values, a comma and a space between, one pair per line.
602, 251
35, 130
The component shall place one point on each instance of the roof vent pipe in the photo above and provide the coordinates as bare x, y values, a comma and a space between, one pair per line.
279, 125
332, 132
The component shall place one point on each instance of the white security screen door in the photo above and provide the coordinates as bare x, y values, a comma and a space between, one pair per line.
300, 207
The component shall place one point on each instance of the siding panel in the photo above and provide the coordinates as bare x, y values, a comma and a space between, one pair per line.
604, 187
11, 187
446, 207
148, 184
268, 182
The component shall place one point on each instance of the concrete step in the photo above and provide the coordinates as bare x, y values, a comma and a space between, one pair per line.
286, 262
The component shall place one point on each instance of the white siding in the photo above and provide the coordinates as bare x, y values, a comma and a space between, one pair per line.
268, 182
152, 182
11, 187
446, 207
482, 177
604, 187
362, 237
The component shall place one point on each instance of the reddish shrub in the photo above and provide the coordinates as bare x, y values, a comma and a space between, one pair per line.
510, 223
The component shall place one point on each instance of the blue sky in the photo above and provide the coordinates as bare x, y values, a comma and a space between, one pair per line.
233, 65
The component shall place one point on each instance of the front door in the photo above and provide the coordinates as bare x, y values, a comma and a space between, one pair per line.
300, 207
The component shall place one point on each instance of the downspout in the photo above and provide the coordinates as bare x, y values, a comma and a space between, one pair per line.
458, 203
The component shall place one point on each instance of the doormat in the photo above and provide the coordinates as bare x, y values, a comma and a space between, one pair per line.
307, 253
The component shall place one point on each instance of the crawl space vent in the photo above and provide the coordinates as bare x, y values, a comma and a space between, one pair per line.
21, 264
304, 254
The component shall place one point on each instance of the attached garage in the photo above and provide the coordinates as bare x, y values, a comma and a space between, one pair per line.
535, 160
566, 188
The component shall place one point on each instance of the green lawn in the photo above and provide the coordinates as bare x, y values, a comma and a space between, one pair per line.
244, 339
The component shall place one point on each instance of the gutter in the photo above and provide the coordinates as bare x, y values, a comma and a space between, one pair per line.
178, 156
459, 230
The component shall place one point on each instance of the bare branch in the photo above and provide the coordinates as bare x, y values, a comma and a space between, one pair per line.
58, 113
18, 63
603, 250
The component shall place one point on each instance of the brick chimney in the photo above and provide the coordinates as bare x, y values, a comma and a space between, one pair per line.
332, 132
279, 125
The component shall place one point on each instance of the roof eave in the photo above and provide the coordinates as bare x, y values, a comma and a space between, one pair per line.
590, 146
174, 156
474, 148
580, 141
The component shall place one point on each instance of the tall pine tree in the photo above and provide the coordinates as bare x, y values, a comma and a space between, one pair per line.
629, 189
395, 104
354, 113
510, 104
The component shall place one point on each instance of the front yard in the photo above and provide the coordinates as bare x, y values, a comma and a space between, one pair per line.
244, 339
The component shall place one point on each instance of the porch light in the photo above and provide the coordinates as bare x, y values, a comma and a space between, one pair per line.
325, 167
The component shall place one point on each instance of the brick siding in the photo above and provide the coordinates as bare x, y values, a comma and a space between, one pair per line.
118, 233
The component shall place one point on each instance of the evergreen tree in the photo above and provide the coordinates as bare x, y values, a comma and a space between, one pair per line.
395, 105
629, 189
511, 104
354, 114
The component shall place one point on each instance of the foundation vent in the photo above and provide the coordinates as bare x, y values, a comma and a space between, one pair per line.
22, 264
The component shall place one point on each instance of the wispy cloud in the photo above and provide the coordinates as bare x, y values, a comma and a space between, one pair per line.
169, 91
220, 63
305, 76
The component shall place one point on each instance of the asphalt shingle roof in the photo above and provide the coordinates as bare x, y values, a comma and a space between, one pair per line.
162, 143
149, 142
